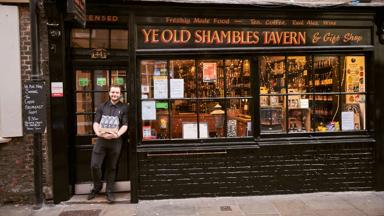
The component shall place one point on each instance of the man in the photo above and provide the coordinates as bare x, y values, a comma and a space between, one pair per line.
110, 123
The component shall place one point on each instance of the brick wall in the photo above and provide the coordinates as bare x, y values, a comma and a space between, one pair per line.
16, 157
267, 170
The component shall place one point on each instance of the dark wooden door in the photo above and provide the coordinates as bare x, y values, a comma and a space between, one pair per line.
90, 90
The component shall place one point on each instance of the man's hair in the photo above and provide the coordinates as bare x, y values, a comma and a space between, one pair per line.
116, 86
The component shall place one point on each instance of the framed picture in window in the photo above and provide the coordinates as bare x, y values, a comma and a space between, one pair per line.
209, 71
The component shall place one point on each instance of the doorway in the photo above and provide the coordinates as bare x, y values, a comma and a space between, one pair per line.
90, 90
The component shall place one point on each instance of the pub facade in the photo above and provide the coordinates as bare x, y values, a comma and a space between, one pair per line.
225, 100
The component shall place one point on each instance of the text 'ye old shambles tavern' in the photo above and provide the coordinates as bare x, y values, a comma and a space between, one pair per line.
225, 100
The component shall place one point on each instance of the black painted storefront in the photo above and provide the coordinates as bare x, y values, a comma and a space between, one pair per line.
260, 164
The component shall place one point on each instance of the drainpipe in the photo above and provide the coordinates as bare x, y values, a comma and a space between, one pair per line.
35, 75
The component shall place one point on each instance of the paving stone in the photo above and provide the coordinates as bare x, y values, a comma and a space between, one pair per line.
320, 201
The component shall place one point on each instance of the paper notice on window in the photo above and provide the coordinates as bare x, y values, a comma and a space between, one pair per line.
160, 85
304, 103
355, 73
177, 88
190, 130
347, 121
148, 109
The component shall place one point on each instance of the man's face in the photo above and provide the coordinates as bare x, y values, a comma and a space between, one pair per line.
114, 94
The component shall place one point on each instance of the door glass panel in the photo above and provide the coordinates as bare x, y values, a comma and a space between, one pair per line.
99, 97
84, 124
118, 77
83, 80
101, 80
119, 39
83, 102
100, 38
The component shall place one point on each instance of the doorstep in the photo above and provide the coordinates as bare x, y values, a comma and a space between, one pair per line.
99, 199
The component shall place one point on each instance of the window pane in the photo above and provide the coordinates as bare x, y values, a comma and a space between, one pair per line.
326, 73
299, 114
84, 124
156, 126
154, 79
80, 38
83, 80
326, 113
184, 70
83, 102
211, 78
354, 73
298, 71
272, 74
100, 38
239, 122
212, 114
272, 116
101, 80
353, 115
184, 116
238, 77
119, 39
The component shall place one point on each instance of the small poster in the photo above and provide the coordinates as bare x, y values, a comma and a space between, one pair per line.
347, 122
190, 130
144, 89
209, 71
177, 88
119, 81
355, 73
57, 89
160, 84
101, 81
148, 110
83, 81
147, 132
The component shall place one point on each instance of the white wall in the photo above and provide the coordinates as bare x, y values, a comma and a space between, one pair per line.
10, 73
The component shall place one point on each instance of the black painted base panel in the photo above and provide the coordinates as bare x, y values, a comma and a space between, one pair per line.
266, 170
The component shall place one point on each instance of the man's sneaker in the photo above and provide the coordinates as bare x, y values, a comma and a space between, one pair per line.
110, 197
92, 194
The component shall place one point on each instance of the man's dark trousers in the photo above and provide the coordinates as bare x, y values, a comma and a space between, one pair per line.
105, 148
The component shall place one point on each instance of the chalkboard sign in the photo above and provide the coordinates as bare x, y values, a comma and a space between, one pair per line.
34, 106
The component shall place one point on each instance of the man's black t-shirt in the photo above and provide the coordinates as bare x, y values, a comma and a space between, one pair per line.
112, 112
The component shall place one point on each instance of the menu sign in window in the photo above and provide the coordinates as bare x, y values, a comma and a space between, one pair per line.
34, 106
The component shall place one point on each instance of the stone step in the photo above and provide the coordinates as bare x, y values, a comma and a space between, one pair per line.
99, 199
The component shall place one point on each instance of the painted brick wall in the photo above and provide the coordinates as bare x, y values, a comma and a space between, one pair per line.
16, 157
268, 170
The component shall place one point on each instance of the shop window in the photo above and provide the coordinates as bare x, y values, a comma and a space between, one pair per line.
312, 93
99, 38
195, 99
